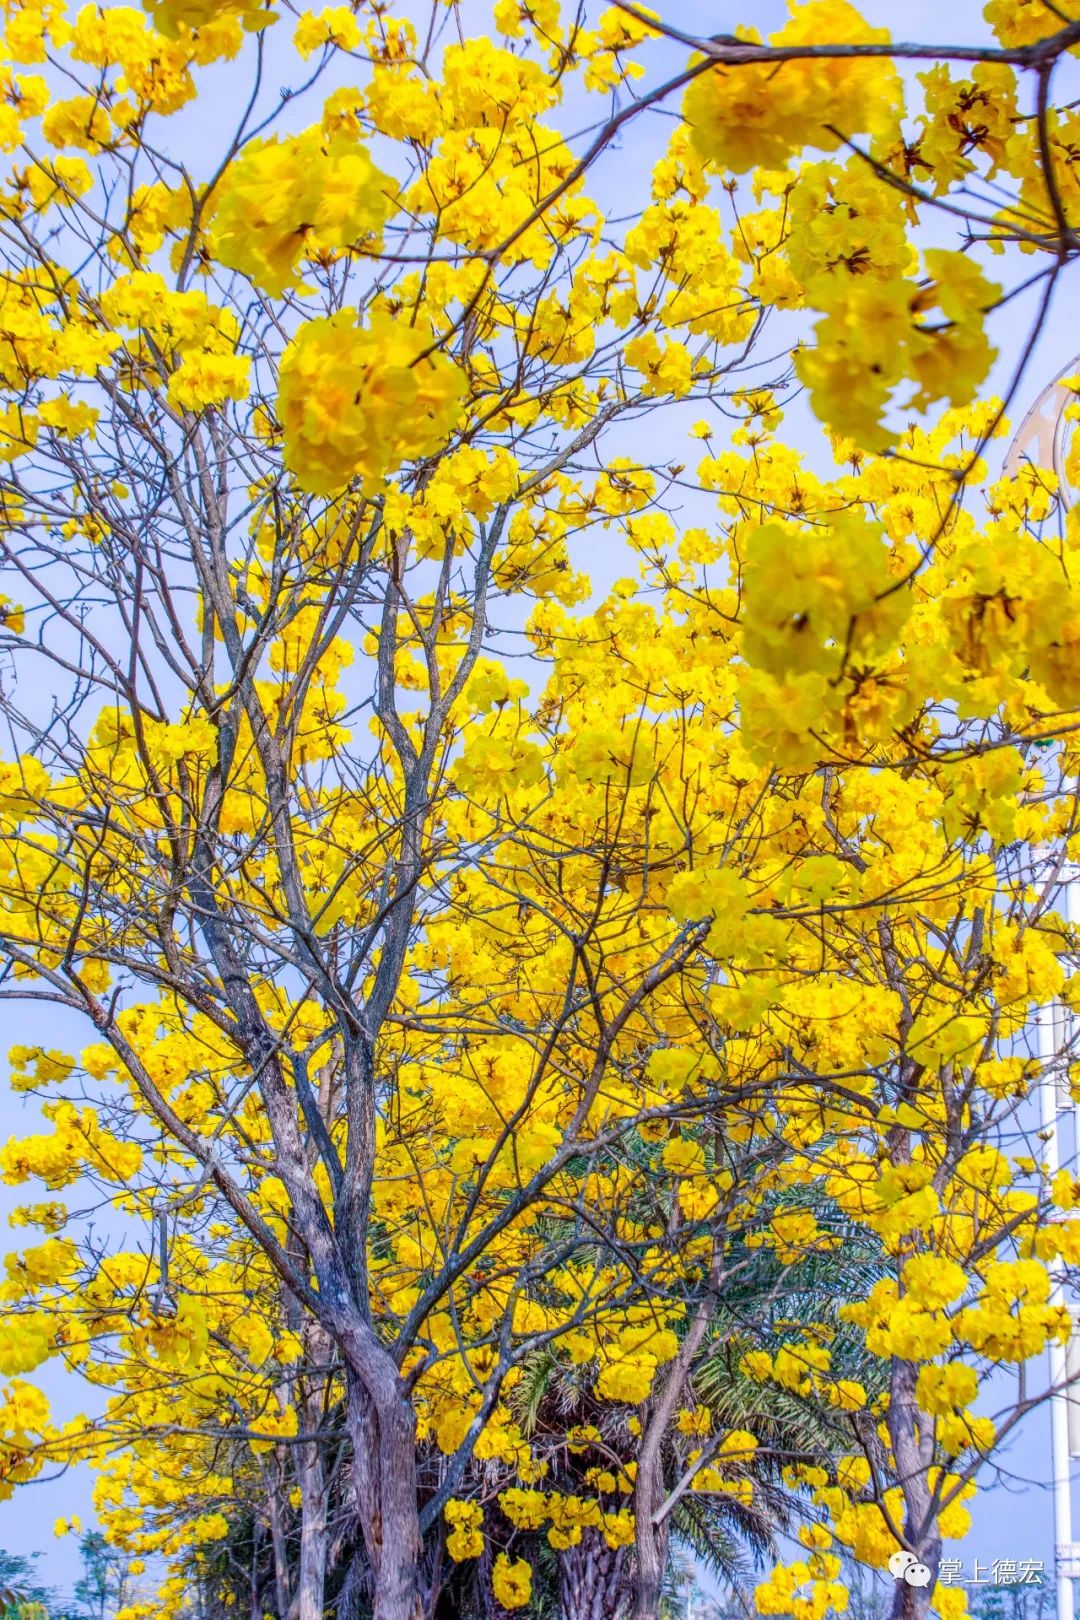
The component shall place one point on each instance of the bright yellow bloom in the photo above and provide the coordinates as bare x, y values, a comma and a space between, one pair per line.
355, 402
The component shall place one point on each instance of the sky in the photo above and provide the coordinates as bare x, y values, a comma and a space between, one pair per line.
1011, 1521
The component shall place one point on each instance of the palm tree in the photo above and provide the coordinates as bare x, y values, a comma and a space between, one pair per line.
725, 1535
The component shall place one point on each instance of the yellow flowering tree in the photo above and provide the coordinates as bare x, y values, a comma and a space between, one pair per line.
428, 965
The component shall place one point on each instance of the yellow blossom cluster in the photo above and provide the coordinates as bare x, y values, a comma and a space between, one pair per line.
357, 401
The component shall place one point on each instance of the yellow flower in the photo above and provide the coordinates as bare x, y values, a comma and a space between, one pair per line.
202, 380
940, 1390
760, 115
336, 25
355, 402
466, 1539
283, 200
69, 417
511, 1582
815, 598
933, 1280
80, 121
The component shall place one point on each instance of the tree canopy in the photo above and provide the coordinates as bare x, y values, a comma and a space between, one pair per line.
539, 768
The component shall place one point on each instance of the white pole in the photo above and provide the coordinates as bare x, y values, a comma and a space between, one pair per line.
1059, 1409
1044, 439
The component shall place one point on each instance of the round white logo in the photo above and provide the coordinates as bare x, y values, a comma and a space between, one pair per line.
904, 1566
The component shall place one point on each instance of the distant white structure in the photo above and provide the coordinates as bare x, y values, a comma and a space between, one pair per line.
1043, 436
1064, 1360
1043, 440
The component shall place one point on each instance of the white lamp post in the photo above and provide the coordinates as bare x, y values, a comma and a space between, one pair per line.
1064, 1407
1043, 440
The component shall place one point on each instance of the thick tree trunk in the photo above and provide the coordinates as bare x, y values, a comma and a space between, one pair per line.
649, 1566
381, 1422
592, 1581
911, 1433
397, 1587
382, 1430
